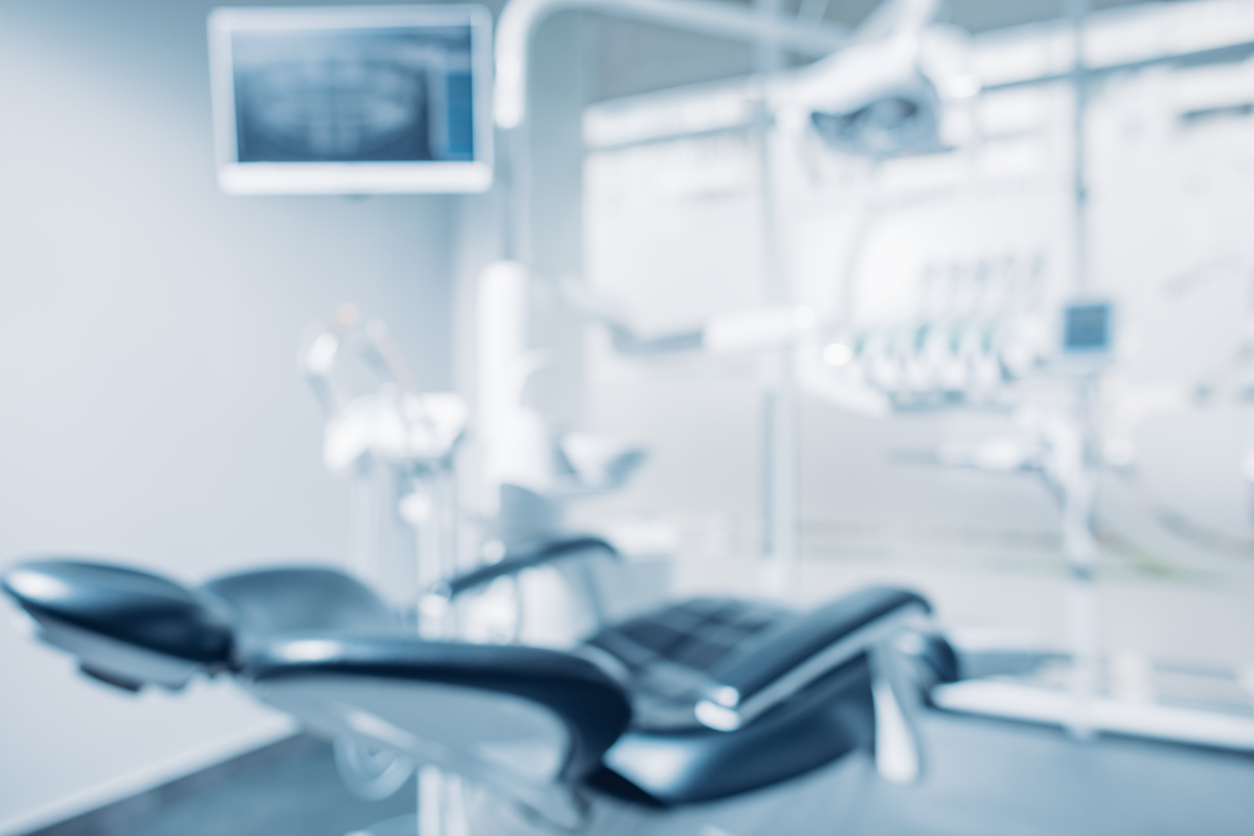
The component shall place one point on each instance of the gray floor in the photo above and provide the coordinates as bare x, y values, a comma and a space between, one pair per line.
987, 777
990, 777
288, 789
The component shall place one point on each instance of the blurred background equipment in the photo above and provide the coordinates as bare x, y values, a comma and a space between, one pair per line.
399, 446
981, 272
775, 400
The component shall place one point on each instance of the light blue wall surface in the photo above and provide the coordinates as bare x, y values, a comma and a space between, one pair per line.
150, 406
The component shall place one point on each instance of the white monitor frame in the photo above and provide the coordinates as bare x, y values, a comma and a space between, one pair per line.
433, 176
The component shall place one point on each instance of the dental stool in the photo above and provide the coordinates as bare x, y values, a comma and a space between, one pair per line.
703, 705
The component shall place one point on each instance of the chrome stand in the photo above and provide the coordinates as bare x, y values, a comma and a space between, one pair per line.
441, 809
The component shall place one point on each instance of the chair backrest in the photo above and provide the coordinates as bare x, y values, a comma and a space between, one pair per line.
266, 602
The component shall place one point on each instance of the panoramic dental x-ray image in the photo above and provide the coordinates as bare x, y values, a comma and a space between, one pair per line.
627, 418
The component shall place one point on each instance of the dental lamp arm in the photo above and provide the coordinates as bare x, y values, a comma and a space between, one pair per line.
587, 304
763, 328
733, 332
627, 341
729, 333
865, 624
522, 18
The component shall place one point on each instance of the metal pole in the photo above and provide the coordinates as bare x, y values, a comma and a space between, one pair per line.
780, 401
1077, 12
1079, 541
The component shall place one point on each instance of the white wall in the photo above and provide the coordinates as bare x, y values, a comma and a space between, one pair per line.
150, 407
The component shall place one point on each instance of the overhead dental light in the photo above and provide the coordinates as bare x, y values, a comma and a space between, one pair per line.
873, 100
881, 95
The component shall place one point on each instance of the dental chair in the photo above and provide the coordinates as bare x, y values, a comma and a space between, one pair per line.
702, 717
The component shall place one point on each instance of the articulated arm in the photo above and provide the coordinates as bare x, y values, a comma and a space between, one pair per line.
866, 623
521, 18
526, 558
436, 602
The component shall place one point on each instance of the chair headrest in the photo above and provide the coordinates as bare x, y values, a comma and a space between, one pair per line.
130, 605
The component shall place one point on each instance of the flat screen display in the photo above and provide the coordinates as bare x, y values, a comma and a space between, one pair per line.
352, 100
1086, 328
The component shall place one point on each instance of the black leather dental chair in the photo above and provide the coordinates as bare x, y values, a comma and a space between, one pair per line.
699, 702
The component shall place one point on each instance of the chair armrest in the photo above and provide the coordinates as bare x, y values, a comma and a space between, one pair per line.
820, 642
519, 560
862, 625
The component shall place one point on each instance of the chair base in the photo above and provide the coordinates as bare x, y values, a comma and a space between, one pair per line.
833, 796
441, 809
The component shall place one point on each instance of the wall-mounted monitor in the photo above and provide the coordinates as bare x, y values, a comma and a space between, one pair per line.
352, 100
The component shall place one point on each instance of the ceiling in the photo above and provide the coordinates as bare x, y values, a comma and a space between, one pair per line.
627, 58
973, 15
